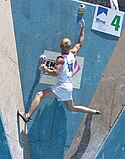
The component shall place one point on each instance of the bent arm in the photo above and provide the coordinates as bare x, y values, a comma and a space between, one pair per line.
56, 70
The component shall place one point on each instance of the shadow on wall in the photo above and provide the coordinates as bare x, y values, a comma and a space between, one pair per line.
85, 139
23, 139
47, 131
36, 81
23, 136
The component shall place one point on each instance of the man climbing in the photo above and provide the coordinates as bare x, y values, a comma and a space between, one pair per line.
63, 71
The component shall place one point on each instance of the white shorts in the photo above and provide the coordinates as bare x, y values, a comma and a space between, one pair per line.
63, 91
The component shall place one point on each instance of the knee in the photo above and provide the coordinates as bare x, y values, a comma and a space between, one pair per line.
72, 109
39, 95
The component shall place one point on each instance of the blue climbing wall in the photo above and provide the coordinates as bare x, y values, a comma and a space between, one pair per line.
40, 25
4, 146
114, 145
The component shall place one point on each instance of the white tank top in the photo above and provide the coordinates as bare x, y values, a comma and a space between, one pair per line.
65, 74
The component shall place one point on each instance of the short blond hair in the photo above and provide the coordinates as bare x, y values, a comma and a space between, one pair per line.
66, 44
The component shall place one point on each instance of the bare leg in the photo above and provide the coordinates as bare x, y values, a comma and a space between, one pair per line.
47, 93
70, 105
35, 104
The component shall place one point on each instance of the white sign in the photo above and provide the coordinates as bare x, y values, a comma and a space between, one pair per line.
108, 20
77, 74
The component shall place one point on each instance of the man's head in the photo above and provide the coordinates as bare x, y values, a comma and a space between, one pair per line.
66, 44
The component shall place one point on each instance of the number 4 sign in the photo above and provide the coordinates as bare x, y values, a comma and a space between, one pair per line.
116, 22
108, 20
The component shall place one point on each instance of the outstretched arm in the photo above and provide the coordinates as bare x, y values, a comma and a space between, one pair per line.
80, 41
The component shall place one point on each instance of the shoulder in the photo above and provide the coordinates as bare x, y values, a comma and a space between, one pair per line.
75, 49
60, 60
73, 52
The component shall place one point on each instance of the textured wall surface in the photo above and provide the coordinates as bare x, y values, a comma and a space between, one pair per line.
40, 26
114, 146
10, 88
115, 72
4, 146
53, 131
109, 98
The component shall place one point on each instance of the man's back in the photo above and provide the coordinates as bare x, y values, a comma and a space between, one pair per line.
65, 74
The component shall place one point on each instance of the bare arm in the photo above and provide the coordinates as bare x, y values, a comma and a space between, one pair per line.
55, 71
80, 41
